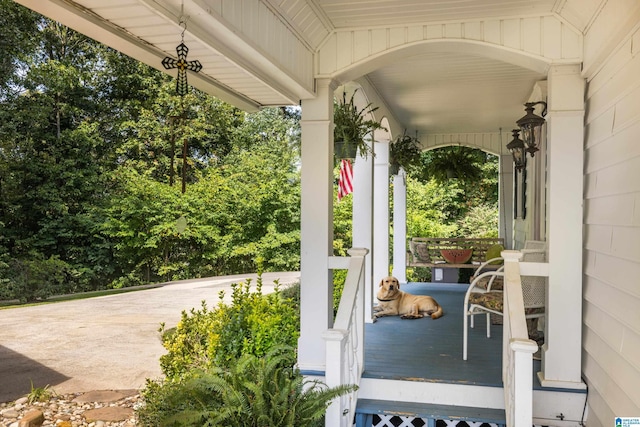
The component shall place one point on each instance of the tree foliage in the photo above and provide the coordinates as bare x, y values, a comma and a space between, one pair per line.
104, 169
453, 192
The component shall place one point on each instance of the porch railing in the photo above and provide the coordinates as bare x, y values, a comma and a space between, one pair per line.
518, 349
345, 341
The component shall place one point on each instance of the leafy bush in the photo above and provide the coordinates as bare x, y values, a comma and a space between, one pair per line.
419, 274
480, 221
254, 391
36, 277
253, 324
234, 366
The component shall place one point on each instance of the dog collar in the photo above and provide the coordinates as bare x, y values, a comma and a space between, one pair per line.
385, 300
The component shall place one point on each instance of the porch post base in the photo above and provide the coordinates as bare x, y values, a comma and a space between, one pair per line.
561, 384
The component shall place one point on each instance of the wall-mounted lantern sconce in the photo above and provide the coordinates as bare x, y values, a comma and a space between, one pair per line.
531, 125
517, 150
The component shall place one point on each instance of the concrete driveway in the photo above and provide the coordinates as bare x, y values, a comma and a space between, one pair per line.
104, 343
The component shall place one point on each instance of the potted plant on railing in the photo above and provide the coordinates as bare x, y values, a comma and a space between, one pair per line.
404, 151
352, 126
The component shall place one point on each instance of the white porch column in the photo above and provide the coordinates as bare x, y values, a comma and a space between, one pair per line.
362, 224
561, 366
505, 200
380, 212
400, 226
316, 228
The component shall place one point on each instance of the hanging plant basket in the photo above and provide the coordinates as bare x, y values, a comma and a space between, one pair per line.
345, 150
455, 162
353, 128
394, 168
404, 151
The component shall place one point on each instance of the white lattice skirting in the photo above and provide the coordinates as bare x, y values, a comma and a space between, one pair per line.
401, 421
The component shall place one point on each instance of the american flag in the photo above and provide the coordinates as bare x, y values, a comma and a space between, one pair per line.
345, 181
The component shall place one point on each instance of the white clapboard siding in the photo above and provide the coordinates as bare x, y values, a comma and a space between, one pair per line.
611, 319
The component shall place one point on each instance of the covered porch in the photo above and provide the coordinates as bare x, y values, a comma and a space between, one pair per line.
451, 75
406, 360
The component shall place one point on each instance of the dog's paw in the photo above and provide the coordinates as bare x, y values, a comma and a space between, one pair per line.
411, 316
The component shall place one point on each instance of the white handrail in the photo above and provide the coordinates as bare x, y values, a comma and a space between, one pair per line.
345, 341
518, 349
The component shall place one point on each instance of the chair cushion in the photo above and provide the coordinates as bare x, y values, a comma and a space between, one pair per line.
494, 301
497, 285
491, 300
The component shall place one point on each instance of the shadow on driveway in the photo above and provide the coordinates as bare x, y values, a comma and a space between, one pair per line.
17, 372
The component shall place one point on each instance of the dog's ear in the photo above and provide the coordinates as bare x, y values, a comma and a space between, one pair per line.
381, 283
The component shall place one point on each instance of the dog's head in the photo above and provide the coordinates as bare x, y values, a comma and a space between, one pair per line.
389, 288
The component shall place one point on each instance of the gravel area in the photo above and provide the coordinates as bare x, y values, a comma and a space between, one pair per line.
93, 409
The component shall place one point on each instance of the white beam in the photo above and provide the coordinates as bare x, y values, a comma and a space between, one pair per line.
400, 226
316, 228
362, 235
561, 365
215, 31
381, 210
505, 200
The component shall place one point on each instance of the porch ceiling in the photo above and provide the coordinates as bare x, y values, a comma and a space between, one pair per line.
436, 92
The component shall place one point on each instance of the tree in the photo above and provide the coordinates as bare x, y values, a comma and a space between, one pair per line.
18, 27
51, 156
244, 209
174, 137
92, 146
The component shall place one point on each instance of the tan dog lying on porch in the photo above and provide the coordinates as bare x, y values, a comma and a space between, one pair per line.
394, 302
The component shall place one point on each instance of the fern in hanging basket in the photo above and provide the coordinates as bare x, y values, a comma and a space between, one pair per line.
352, 127
404, 151
455, 162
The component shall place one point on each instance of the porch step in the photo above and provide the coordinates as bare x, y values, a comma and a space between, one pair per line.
428, 413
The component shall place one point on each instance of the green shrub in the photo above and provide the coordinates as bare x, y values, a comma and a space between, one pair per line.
36, 277
419, 274
480, 221
252, 324
234, 366
253, 391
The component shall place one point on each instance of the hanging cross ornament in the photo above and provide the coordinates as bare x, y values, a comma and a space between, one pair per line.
182, 65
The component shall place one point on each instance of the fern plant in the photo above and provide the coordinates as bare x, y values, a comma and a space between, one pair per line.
255, 391
352, 125
404, 152
455, 162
